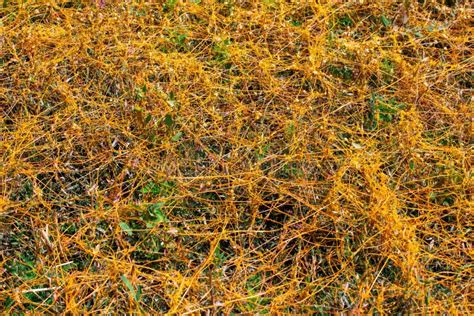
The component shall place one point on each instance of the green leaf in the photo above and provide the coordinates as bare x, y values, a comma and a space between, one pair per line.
290, 130
164, 188
139, 293
139, 93
9, 302
262, 152
219, 256
148, 118
177, 136
126, 228
151, 188
296, 23
169, 5
168, 120
134, 294
69, 266
386, 22
181, 39
155, 211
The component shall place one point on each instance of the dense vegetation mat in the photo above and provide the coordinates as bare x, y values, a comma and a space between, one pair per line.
236, 156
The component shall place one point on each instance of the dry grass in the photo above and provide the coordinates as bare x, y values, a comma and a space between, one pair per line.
236, 157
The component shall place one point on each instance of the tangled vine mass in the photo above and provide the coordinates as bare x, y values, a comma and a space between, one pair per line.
236, 157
